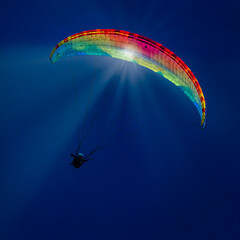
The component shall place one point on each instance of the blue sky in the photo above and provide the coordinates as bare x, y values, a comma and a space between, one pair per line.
168, 179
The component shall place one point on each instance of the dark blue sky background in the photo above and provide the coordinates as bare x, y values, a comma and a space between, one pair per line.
168, 179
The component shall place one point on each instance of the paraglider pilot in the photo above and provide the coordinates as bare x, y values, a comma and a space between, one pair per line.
79, 159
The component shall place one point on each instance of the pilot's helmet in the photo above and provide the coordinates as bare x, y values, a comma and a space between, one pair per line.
80, 154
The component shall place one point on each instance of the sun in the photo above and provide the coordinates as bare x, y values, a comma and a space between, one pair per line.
129, 55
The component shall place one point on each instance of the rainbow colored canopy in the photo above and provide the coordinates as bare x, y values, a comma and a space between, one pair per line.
138, 49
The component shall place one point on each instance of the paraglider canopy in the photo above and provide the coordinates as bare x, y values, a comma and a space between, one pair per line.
138, 49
